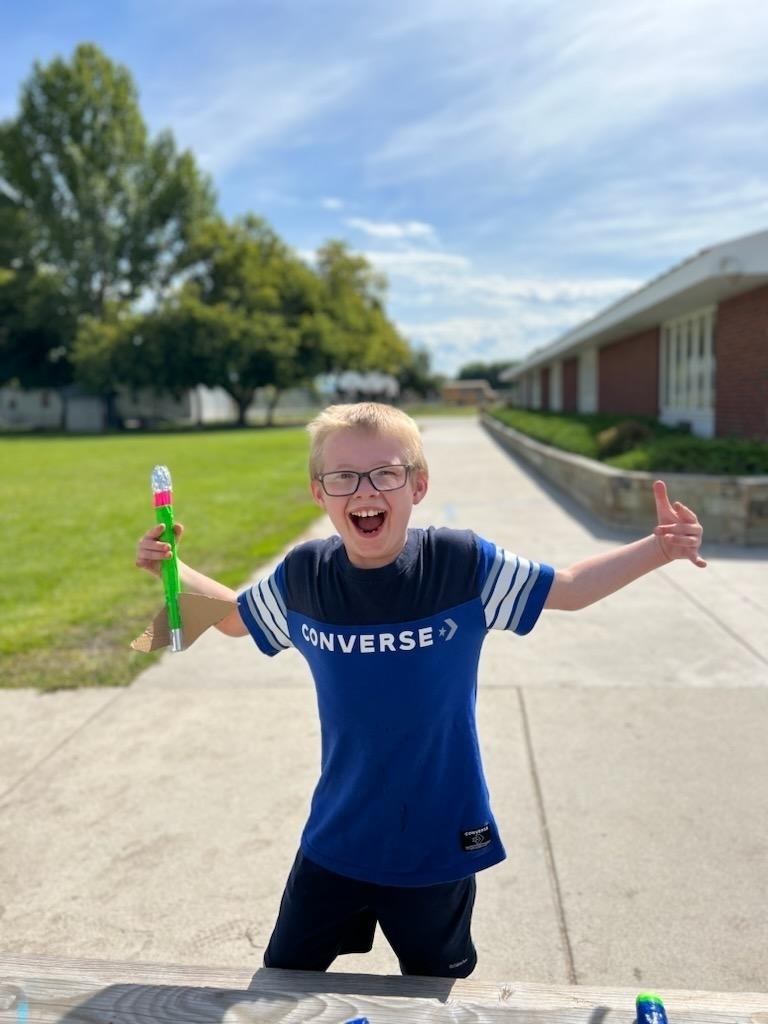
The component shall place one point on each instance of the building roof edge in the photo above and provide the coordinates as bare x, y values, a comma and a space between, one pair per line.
734, 264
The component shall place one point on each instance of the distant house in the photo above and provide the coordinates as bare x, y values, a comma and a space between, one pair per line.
73, 411
468, 392
691, 346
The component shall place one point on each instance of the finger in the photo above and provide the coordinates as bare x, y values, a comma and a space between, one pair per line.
150, 549
682, 540
154, 552
148, 557
151, 540
153, 535
682, 547
664, 509
684, 513
157, 531
682, 534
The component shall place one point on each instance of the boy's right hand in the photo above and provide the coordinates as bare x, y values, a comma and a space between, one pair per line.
151, 552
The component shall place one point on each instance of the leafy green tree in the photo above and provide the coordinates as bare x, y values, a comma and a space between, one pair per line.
485, 371
360, 335
416, 376
165, 350
14, 242
99, 350
248, 316
36, 319
107, 210
275, 327
36, 324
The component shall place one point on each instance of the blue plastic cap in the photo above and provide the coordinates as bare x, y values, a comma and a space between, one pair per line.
650, 1009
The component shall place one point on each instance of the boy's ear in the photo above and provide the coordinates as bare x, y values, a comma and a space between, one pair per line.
318, 494
420, 486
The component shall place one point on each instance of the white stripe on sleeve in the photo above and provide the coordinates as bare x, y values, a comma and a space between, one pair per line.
505, 601
267, 607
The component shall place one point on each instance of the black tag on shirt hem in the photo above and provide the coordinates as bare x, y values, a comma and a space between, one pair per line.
476, 838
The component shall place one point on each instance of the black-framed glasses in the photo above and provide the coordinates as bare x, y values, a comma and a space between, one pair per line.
344, 482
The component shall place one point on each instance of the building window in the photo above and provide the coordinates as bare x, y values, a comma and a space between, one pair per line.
687, 382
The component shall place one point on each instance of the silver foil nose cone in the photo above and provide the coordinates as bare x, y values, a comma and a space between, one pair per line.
161, 479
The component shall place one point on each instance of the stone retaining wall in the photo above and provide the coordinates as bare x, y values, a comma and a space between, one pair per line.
733, 509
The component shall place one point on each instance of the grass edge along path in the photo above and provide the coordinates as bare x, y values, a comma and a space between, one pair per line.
72, 509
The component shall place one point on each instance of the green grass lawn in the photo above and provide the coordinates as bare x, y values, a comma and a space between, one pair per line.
71, 511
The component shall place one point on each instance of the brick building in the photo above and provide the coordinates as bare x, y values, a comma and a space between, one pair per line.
691, 346
468, 392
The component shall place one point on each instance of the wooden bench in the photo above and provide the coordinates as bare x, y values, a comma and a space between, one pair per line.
39, 990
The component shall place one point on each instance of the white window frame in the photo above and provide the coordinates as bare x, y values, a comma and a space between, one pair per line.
687, 371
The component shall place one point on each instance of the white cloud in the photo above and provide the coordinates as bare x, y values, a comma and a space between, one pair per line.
576, 79
433, 293
452, 277
627, 221
332, 203
391, 230
226, 128
418, 264
439, 301
454, 342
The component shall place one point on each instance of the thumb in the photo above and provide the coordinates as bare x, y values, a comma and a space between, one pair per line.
664, 511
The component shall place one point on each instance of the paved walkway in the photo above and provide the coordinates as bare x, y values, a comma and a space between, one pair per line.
625, 748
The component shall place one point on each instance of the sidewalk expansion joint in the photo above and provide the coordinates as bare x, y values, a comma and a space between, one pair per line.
549, 853
60, 745
702, 607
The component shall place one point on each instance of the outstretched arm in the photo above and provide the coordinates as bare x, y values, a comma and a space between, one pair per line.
677, 535
151, 552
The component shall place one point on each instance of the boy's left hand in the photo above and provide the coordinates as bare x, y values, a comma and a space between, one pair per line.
678, 532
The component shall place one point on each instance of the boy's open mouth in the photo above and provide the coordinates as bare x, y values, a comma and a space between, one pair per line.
367, 521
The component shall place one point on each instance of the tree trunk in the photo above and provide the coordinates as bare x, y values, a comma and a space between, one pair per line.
63, 398
113, 419
272, 401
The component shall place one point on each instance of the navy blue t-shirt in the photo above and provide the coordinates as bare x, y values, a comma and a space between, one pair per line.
402, 798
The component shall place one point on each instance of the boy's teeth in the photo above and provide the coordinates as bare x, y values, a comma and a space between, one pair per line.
366, 513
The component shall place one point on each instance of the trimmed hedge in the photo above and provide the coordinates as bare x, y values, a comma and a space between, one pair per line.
638, 443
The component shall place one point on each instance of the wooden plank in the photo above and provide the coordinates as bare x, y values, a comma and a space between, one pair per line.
43, 990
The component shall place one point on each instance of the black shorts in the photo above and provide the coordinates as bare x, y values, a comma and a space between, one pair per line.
323, 915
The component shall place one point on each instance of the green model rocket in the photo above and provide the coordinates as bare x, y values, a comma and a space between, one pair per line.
162, 494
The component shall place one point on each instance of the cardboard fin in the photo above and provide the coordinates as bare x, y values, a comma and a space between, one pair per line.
198, 613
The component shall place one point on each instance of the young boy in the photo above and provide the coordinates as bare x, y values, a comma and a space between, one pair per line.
391, 621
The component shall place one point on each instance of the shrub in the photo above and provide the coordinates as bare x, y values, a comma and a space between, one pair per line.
638, 443
622, 437
718, 456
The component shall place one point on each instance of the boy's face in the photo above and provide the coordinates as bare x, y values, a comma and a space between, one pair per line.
372, 524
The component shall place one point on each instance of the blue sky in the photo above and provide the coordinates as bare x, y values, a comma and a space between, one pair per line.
512, 167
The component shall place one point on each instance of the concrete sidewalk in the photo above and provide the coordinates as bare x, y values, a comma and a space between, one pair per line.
625, 748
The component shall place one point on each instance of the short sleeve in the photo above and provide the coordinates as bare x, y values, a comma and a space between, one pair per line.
263, 610
513, 589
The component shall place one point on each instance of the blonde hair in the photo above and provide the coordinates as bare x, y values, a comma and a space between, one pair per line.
374, 417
